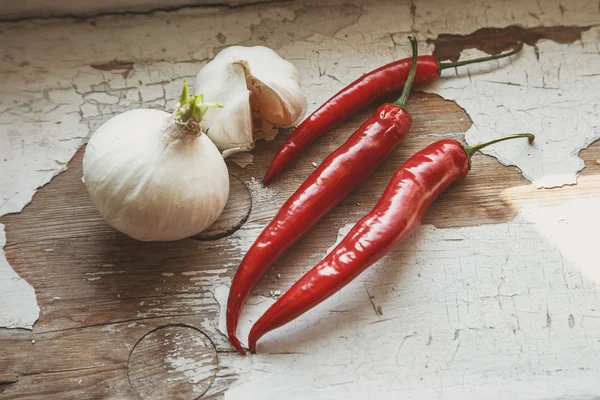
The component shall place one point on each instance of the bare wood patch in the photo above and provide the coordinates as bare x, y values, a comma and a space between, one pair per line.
497, 40
114, 65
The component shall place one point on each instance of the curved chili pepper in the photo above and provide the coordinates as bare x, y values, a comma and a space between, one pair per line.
384, 80
396, 215
341, 172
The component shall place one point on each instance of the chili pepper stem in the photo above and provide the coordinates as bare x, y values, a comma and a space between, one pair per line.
401, 102
470, 150
517, 49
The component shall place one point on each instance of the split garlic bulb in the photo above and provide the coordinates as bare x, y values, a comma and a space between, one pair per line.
260, 90
154, 175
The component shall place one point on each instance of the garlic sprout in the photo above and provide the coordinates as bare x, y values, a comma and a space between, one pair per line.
154, 175
260, 90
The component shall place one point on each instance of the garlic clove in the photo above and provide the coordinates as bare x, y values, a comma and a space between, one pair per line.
270, 106
260, 90
230, 127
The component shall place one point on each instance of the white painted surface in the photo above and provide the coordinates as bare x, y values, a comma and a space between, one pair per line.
18, 307
554, 98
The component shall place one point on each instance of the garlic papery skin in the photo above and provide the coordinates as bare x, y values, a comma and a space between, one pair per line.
154, 176
261, 92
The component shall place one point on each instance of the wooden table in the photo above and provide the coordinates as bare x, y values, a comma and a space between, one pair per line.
121, 318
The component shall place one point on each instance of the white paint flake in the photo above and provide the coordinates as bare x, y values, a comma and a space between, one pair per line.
220, 294
193, 370
18, 308
469, 313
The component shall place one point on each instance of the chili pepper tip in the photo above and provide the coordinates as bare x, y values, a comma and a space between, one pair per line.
237, 344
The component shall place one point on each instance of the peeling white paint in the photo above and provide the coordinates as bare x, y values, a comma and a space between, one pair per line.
555, 97
546, 97
469, 313
18, 308
194, 370
220, 294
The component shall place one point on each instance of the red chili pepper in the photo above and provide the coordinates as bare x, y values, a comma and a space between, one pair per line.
341, 172
384, 80
398, 213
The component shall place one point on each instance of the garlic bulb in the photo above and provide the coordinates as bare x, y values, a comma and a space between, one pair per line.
260, 90
154, 175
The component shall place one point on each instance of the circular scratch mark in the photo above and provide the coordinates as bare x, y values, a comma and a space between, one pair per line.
236, 212
173, 362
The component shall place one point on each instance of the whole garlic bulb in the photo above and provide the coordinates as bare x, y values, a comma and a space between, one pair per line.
154, 175
260, 90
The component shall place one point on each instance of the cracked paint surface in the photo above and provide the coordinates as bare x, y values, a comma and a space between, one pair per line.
493, 311
550, 92
18, 308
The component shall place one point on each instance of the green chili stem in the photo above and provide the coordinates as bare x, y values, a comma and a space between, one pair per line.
401, 102
470, 150
447, 65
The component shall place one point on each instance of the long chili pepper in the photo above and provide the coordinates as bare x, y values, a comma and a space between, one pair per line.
396, 215
384, 80
341, 172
